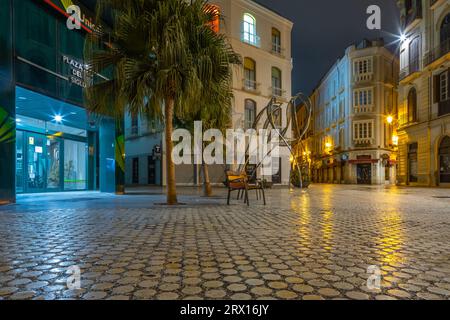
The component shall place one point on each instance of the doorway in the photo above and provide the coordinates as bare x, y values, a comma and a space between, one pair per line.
151, 171
444, 161
135, 171
364, 174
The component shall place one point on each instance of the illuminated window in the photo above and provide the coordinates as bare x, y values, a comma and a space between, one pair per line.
214, 12
249, 74
363, 130
249, 30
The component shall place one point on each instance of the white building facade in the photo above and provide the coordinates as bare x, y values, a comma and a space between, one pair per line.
263, 39
353, 135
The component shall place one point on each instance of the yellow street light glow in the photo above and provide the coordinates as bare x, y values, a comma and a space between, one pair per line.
395, 140
390, 119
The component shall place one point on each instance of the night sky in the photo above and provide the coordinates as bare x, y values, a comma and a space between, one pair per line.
323, 29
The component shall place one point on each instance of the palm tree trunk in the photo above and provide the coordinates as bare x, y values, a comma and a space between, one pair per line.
170, 167
207, 190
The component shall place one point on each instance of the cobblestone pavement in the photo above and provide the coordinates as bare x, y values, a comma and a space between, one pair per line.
316, 244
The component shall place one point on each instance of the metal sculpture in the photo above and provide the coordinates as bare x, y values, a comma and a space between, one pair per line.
275, 108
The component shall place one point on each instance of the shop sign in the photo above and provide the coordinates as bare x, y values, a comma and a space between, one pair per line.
80, 16
79, 73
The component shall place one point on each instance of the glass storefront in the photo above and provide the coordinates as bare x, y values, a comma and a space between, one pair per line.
48, 163
51, 145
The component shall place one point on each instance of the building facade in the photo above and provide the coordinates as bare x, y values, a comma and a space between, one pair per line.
424, 94
353, 137
48, 142
263, 39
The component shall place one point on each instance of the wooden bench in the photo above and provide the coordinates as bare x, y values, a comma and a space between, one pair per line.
239, 182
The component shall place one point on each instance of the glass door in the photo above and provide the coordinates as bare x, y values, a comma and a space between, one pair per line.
36, 163
53, 164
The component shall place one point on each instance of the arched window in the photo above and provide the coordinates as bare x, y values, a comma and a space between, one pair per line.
412, 105
249, 74
444, 160
214, 12
276, 82
249, 29
276, 41
250, 113
445, 34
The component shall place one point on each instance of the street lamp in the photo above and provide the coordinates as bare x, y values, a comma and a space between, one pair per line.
390, 119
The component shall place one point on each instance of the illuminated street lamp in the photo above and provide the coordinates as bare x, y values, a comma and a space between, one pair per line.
390, 119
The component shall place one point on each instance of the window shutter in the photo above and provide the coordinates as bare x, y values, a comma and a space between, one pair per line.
436, 88
448, 84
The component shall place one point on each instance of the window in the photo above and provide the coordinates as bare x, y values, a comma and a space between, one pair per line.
445, 34
249, 30
249, 74
363, 130
363, 66
341, 138
276, 82
414, 56
135, 173
134, 125
441, 93
276, 41
412, 162
443, 86
342, 109
277, 117
214, 13
412, 105
250, 113
363, 97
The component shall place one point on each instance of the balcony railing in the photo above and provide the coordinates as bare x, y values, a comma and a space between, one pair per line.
412, 67
277, 49
363, 77
277, 92
363, 142
363, 109
251, 39
250, 85
438, 52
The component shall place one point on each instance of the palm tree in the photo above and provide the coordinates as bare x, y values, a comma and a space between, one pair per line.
157, 53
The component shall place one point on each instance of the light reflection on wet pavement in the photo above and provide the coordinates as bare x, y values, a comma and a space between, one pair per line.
316, 244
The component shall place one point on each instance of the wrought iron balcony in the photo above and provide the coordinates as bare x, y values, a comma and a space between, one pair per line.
441, 50
250, 85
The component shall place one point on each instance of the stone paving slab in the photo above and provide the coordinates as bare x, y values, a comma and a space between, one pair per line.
308, 245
